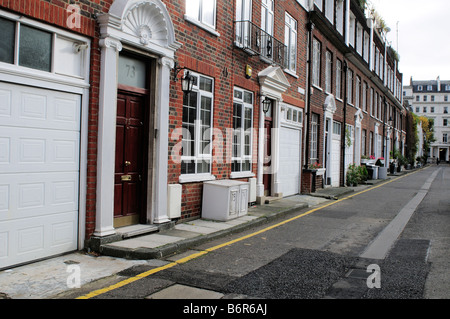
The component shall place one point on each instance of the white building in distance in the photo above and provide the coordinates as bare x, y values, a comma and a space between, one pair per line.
432, 99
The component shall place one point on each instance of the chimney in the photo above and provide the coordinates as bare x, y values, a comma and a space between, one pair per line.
438, 83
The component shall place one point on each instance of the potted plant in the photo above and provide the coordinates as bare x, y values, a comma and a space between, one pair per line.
363, 173
353, 176
364, 159
317, 167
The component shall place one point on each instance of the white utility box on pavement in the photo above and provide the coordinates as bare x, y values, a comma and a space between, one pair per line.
225, 199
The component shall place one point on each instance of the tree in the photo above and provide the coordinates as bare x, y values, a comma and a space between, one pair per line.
412, 137
428, 131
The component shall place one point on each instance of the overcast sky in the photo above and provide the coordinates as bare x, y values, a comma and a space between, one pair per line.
423, 36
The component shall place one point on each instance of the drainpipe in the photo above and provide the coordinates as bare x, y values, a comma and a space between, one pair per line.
310, 28
384, 131
344, 128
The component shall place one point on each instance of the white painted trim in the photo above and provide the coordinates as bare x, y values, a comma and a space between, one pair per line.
191, 178
16, 74
242, 174
114, 34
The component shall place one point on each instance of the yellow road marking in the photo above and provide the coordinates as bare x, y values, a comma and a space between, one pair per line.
228, 243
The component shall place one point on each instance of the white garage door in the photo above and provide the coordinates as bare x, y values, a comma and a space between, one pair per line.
290, 165
39, 173
335, 155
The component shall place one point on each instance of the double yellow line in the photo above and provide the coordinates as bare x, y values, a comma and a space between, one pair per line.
206, 251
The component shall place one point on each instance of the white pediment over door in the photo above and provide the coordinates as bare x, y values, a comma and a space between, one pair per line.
273, 81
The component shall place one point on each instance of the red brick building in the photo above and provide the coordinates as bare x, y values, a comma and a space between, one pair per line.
355, 80
96, 130
97, 134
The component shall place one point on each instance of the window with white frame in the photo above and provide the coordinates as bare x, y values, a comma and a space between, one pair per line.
267, 14
292, 115
363, 142
242, 131
31, 45
328, 71
372, 97
375, 105
358, 92
337, 128
329, 10
338, 79
318, 4
290, 40
197, 127
243, 13
445, 122
314, 137
317, 47
364, 96
350, 86
444, 138
202, 11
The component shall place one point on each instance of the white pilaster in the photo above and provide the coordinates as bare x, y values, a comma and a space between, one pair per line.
162, 141
106, 137
260, 172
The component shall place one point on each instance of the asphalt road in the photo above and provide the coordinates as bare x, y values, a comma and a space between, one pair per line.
322, 255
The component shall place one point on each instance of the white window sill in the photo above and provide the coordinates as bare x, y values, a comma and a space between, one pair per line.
242, 175
202, 25
291, 73
317, 87
192, 178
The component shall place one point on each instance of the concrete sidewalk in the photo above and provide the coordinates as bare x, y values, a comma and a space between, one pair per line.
50, 277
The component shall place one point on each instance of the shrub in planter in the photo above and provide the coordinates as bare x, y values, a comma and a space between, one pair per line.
353, 177
363, 173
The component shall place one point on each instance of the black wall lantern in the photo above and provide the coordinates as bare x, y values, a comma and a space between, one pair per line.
187, 82
266, 105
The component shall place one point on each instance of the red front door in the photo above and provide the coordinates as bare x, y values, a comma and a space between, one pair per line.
130, 154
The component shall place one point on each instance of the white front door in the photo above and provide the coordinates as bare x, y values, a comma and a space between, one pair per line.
290, 163
335, 154
349, 142
39, 173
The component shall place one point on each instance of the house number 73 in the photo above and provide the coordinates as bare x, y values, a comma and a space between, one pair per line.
131, 71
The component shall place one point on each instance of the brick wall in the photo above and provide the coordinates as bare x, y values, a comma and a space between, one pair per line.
57, 13
219, 58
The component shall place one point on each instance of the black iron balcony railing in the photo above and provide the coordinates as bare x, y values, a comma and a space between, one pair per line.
256, 41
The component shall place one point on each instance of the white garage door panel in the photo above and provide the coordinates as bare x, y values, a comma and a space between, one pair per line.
39, 173
22, 106
28, 239
289, 170
39, 150
29, 195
